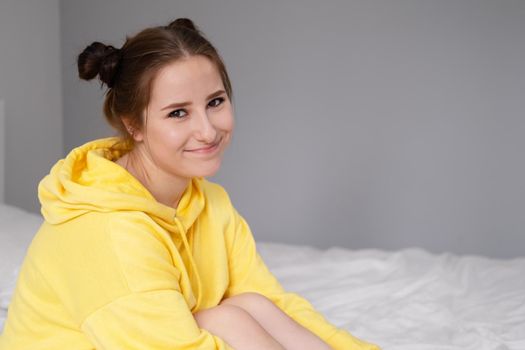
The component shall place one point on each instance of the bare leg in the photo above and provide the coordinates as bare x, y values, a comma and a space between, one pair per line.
237, 327
282, 327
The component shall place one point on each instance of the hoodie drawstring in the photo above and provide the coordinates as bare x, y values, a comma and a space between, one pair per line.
182, 233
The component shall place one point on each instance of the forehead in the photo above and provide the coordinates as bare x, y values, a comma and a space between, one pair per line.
192, 76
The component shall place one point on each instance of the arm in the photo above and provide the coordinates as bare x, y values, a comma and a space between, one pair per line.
141, 305
248, 273
152, 320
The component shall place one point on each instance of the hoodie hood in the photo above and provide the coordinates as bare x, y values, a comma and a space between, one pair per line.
88, 179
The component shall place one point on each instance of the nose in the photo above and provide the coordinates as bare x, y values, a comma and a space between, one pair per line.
204, 130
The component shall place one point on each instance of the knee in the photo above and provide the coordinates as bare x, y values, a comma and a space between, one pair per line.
235, 314
220, 316
248, 301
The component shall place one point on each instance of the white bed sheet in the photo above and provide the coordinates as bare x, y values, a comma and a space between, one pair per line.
409, 299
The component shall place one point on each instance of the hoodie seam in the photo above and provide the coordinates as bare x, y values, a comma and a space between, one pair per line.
122, 273
117, 258
120, 298
52, 290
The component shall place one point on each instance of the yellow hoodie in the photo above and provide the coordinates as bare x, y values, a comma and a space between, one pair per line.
112, 268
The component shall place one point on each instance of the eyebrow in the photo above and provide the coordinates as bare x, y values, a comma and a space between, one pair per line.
182, 104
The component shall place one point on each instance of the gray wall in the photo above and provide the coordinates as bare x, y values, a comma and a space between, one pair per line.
30, 84
366, 124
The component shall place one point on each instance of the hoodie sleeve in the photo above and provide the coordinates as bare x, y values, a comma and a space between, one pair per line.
157, 320
248, 273
154, 313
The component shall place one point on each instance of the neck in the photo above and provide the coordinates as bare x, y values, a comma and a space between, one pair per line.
166, 188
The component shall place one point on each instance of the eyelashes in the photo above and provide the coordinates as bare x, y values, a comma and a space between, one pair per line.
216, 102
220, 99
176, 114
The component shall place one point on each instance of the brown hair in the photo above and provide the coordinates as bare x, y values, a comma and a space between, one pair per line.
128, 72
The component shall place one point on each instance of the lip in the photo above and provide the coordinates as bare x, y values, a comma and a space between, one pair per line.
206, 150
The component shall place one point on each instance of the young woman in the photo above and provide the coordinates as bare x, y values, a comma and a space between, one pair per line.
138, 250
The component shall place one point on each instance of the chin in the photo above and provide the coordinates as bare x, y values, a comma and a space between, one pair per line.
207, 171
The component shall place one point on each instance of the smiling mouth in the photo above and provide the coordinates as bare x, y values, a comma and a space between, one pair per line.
206, 149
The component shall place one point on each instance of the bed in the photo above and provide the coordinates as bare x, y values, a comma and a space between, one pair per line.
402, 300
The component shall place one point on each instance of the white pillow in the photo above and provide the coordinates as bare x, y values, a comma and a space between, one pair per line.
17, 229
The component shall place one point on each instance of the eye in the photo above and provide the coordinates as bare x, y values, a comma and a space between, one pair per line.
216, 102
177, 113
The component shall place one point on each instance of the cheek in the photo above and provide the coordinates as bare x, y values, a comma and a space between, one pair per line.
168, 139
224, 121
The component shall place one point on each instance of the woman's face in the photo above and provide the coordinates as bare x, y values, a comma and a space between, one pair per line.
189, 119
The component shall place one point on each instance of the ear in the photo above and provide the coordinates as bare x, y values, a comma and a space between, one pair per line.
135, 132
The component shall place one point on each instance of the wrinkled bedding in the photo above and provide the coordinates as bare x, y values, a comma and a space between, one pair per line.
409, 299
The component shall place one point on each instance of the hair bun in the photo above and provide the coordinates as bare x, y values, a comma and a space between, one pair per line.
99, 59
183, 23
